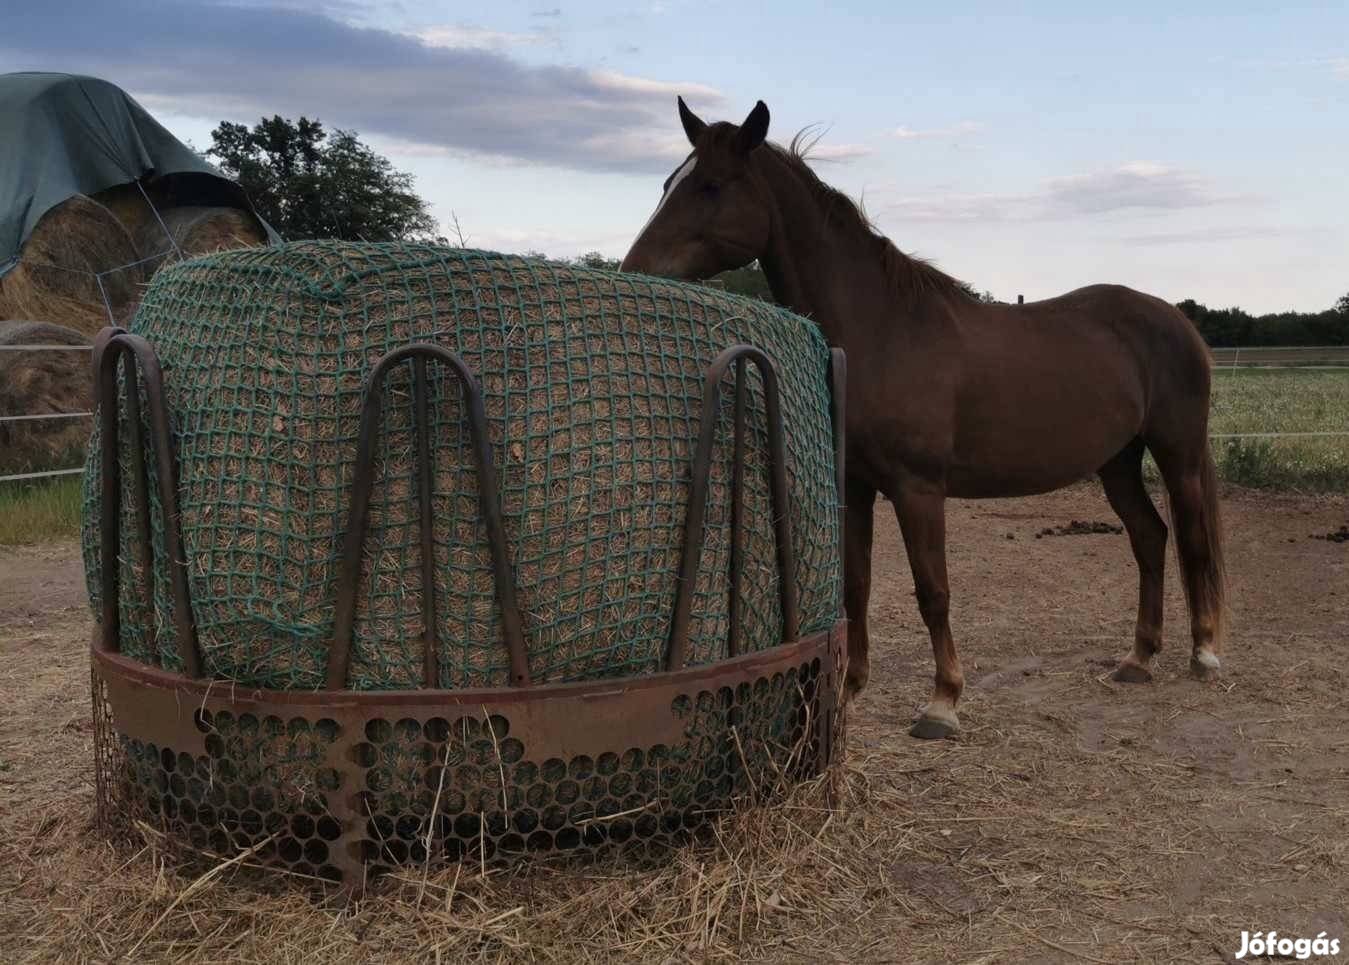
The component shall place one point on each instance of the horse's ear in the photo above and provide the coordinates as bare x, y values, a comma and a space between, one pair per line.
693, 125
754, 130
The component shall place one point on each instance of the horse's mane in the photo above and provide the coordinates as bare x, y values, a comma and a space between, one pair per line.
910, 275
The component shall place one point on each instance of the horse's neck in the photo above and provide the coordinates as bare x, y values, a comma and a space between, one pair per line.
826, 272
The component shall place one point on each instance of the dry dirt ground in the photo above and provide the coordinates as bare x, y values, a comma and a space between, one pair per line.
1074, 820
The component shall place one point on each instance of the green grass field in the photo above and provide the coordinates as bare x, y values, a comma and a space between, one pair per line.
1282, 400
39, 511
1244, 400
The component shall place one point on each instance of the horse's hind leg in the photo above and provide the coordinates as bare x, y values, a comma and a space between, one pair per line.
1192, 484
1122, 477
922, 520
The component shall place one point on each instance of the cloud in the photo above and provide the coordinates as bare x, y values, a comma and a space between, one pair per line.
215, 59
1339, 66
956, 207
1133, 186
467, 37
839, 152
963, 129
641, 85
1211, 235
1139, 184
554, 12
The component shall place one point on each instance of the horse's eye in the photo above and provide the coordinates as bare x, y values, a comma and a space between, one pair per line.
711, 189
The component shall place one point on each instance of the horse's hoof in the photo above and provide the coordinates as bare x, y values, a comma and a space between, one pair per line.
937, 723
1129, 672
1205, 665
853, 685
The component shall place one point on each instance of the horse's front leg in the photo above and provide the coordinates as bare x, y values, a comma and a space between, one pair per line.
922, 520
857, 522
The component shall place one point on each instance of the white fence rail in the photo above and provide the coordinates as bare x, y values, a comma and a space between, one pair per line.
44, 416
1334, 356
1279, 356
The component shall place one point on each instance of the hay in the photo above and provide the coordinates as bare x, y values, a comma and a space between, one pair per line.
129, 205
35, 383
197, 230
593, 385
767, 879
75, 246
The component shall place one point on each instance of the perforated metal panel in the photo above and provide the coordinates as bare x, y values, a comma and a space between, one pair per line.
339, 785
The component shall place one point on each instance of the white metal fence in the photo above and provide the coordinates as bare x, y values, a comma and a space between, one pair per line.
1313, 356
47, 416
1278, 356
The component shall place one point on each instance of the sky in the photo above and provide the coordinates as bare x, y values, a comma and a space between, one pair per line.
1191, 150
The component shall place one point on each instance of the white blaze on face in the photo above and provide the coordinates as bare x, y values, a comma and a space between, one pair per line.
684, 171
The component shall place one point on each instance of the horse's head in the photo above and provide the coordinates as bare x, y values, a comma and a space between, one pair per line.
714, 213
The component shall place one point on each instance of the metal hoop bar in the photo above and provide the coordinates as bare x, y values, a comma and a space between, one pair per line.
736, 608
142, 370
105, 387
512, 624
425, 472
838, 389
141, 480
695, 518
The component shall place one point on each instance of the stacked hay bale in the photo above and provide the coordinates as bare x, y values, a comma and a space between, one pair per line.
135, 203
593, 386
42, 383
79, 268
85, 266
195, 230
87, 261
163, 228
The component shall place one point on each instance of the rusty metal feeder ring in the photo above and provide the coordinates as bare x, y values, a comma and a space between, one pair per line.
340, 784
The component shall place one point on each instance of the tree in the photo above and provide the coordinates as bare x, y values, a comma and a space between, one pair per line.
1232, 326
749, 281
593, 259
968, 289
308, 184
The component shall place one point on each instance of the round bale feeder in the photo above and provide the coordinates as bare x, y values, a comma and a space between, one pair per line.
411, 554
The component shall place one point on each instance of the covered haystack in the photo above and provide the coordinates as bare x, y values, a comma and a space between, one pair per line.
134, 205
79, 268
593, 387
203, 224
41, 383
197, 230
69, 143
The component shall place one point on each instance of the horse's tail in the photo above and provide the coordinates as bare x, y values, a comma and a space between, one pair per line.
1196, 520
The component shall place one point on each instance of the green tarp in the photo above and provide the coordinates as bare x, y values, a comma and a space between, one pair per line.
64, 134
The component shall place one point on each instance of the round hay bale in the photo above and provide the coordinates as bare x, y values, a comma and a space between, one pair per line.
129, 206
58, 275
197, 231
592, 383
42, 383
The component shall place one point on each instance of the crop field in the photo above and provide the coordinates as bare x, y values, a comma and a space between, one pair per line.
1282, 402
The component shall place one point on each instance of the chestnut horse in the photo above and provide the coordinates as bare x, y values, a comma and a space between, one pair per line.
951, 397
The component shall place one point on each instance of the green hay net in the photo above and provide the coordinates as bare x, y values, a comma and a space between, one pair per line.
593, 387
